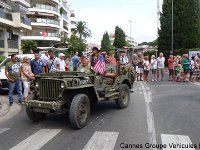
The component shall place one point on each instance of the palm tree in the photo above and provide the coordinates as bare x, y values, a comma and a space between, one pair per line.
81, 30
27, 46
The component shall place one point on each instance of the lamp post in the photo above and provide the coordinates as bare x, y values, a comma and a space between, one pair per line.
172, 42
130, 33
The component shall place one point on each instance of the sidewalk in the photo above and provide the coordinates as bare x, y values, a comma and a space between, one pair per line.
7, 112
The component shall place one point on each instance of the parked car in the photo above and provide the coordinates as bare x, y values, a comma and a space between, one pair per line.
3, 78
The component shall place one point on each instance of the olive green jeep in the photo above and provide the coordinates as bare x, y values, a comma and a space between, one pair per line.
76, 92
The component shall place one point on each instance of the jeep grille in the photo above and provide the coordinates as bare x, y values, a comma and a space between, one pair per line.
49, 89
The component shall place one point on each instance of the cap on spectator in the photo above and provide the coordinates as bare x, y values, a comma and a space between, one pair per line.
61, 54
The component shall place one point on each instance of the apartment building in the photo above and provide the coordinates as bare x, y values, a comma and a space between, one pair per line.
50, 20
131, 40
13, 22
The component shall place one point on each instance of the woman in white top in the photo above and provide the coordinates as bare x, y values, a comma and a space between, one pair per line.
146, 68
154, 65
27, 76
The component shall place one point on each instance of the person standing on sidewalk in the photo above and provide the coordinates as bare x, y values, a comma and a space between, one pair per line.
13, 73
171, 67
27, 76
186, 66
37, 65
146, 65
140, 69
161, 66
154, 65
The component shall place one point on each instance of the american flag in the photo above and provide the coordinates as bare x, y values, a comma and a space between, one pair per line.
100, 65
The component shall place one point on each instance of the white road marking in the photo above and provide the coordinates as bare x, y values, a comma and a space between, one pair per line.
150, 117
102, 141
37, 140
168, 139
3, 130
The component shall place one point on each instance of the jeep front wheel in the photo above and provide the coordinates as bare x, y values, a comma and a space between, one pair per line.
124, 97
79, 111
35, 116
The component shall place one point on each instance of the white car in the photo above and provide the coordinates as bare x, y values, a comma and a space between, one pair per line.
3, 78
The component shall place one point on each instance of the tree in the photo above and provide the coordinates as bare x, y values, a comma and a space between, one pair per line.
76, 44
81, 30
105, 43
27, 46
186, 25
120, 38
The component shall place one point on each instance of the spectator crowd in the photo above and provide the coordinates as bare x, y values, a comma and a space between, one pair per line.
179, 68
24, 72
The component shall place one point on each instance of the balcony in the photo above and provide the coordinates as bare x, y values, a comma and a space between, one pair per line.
1, 43
45, 36
6, 18
12, 44
21, 22
45, 22
65, 18
65, 7
45, 10
25, 3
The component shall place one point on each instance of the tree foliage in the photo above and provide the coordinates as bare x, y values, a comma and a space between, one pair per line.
28, 45
105, 43
120, 38
82, 30
76, 44
186, 25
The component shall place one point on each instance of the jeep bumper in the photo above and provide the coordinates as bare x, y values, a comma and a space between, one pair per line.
44, 105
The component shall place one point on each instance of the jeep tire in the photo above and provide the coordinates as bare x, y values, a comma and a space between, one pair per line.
35, 116
79, 111
124, 97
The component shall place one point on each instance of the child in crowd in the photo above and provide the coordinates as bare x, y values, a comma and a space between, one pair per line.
179, 70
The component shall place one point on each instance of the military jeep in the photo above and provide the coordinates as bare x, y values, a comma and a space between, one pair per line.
76, 92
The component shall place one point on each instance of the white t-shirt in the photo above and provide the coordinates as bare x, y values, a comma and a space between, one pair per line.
44, 59
161, 62
124, 60
154, 63
62, 64
146, 65
53, 66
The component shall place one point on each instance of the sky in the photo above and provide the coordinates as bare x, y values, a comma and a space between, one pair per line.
104, 15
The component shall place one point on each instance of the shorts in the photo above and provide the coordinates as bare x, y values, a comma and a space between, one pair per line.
146, 72
175, 72
140, 70
154, 71
186, 71
171, 72
160, 71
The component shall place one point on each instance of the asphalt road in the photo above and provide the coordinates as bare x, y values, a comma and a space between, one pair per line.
159, 113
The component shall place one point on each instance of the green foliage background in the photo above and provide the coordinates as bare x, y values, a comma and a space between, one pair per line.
186, 25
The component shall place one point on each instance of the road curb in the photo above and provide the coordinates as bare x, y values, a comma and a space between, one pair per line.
4, 109
7, 112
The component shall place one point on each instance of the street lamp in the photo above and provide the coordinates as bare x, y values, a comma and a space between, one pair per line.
172, 42
130, 32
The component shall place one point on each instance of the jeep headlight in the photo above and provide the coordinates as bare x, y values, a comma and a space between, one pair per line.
36, 84
82, 82
62, 85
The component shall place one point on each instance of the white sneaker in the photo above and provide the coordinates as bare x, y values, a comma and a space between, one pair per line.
152, 80
156, 80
